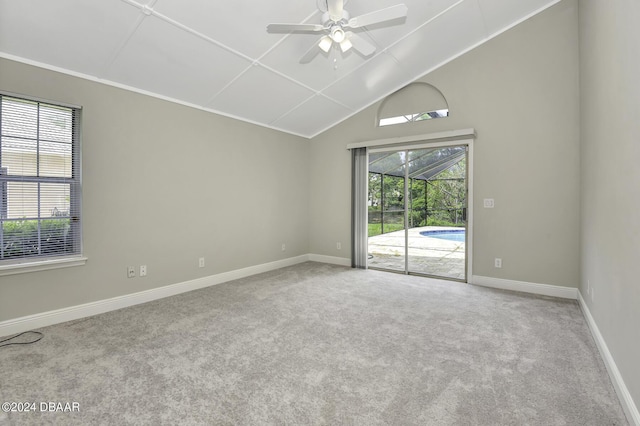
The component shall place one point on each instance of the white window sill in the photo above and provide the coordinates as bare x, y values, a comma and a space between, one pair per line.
41, 265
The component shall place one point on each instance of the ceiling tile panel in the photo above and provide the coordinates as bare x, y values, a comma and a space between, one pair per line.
76, 35
166, 60
500, 14
378, 77
260, 95
324, 111
441, 39
238, 24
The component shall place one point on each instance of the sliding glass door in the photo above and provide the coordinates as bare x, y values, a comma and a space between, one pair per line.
417, 217
387, 211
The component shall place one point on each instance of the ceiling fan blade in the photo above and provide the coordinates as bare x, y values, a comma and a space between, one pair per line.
382, 15
335, 8
360, 44
287, 28
311, 53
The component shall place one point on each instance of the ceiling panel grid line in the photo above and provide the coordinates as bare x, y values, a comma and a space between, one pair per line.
301, 104
275, 71
148, 11
286, 36
116, 52
429, 21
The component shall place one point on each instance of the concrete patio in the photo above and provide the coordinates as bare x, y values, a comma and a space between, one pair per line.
427, 255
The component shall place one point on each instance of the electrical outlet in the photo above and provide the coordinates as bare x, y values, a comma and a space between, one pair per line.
284, 247
201, 262
339, 246
489, 203
143, 270
497, 262
131, 271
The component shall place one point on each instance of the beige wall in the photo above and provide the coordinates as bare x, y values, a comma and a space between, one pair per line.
520, 92
163, 185
610, 132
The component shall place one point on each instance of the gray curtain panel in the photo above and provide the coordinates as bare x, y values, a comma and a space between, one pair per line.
359, 233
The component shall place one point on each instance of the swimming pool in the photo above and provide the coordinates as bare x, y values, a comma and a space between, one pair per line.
446, 234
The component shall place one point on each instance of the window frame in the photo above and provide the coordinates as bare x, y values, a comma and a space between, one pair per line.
41, 262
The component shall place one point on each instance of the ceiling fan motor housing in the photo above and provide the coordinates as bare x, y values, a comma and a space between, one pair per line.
327, 21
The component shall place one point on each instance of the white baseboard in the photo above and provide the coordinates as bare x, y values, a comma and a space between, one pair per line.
70, 313
628, 405
526, 287
342, 261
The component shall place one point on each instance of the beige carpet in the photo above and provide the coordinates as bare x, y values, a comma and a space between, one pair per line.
320, 344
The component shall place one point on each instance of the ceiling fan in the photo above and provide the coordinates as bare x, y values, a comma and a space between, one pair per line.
335, 24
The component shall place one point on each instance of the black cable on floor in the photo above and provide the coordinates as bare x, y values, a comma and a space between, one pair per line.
21, 343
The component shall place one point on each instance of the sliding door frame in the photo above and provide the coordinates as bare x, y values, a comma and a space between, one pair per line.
436, 140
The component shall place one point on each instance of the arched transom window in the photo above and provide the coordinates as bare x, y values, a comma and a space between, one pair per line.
415, 102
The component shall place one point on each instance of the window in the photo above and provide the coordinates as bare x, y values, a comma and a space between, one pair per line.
416, 102
409, 118
39, 181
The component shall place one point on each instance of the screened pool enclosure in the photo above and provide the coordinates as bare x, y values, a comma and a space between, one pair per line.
411, 195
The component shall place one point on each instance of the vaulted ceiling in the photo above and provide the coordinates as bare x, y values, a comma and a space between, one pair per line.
217, 55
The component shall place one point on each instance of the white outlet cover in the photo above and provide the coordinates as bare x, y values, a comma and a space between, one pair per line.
489, 203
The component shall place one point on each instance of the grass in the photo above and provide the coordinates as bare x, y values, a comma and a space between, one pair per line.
376, 228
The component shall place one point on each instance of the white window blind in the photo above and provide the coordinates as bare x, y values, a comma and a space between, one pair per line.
39, 180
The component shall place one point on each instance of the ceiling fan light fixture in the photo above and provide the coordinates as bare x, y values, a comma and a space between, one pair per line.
345, 45
325, 44
337, 34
